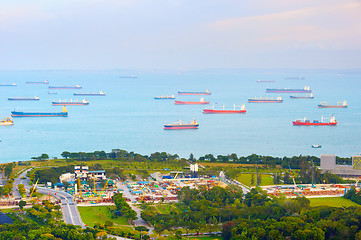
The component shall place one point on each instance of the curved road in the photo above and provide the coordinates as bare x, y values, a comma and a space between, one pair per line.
69, 208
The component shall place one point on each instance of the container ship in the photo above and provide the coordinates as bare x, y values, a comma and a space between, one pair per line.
70, 102
339, 105
43, 82
195, 93
65, 87
180, 125
265, 81
165, 97
8, 85
265, 100
303, 97
6, 122
305, 122
64, 113
101, 93
191, 102
289, 90
23, 99
220, 111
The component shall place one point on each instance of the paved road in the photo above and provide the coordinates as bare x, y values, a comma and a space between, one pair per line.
70, 210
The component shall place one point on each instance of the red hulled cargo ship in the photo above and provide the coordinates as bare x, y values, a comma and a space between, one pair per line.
191, 102
305, 122
179, 125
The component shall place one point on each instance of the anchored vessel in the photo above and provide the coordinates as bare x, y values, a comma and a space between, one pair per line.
303, 97
101, 93
64, 113
180, 125
265, 100
266, 81
191, 103
6, 122
289, 90
43, 82
195, 93
164, 97
339, 105
23, 99
316, 146
65, 87
8, 85
71, 102
234, 110
305, 122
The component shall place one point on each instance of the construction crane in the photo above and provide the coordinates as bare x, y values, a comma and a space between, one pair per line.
33, 189
293, 178
94, 190
79, 185
105, 185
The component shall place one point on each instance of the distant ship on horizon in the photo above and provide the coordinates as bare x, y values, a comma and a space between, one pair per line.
265, 100
70, 102
43, 82
194, 93
101, 93
225, 111
65, 87
23, 98
305, 122
179, 125
64, 113
339, 105
289, 90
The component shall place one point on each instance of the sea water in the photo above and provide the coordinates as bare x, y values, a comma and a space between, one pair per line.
129, 117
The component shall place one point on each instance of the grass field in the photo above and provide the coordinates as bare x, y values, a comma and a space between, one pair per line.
220, 164
165, 208
99, 214
332, 202
245, 178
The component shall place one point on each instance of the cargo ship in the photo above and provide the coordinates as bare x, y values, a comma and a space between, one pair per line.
101, 93
65, 87
265, 100
180, 125
289, 90
265, 81
220, 111
6, 122
339, 105
23, 99
64, 113
8, 85
70, 103
316, 146
305, 122
303, 97
195, 93
191, 102
164, 97
43, 82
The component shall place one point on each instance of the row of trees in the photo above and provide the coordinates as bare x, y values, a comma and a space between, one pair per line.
123, 207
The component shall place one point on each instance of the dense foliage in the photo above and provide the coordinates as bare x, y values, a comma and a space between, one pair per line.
51, 174
353, 195
123, 207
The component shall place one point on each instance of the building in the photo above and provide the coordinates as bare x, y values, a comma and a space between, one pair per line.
85, 174
328, 163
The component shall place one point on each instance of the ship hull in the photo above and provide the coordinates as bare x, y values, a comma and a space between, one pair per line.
37, 82
23, 99
264, 101
331, 106
180, 127
160, 98
68, 103
313, 124
29, 114
194, 93
288, 91
212, 111
294, 97
64, 87
189, 103
8, 85
89, 94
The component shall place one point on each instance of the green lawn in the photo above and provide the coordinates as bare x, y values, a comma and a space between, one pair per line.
165, 208
8, 210
245, 178
332, 202
99, 214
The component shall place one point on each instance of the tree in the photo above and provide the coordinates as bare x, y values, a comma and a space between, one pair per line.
252, 179
22, 204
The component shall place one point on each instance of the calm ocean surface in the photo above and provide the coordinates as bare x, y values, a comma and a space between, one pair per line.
129, 118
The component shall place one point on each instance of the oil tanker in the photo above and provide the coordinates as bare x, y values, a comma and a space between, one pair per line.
191, 102
339, 105
23, 99
101, 93
179, 125
305, 122
289, 90
194, 93
64, 113
65, 87
265, 100
70, 102
225, 111
43, 82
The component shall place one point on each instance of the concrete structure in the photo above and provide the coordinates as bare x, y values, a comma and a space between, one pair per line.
85, 174
328, 163
66, 177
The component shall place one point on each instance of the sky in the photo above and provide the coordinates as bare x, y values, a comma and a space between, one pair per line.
179, 34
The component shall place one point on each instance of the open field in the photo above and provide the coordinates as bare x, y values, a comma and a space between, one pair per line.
332, 202
245, 178
99, 214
